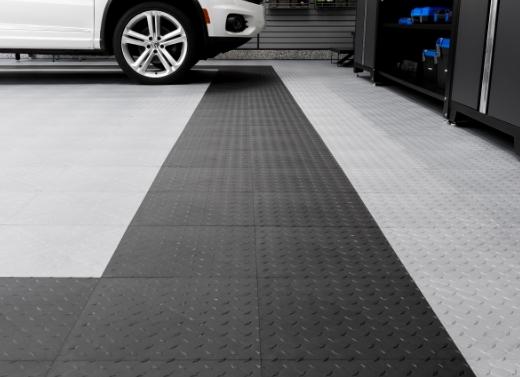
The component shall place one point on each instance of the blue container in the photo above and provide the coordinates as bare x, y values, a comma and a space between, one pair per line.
407, 21
427, 14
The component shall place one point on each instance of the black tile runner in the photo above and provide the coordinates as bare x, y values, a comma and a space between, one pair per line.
252, 255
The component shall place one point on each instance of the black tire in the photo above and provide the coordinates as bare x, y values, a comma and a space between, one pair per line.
191, 55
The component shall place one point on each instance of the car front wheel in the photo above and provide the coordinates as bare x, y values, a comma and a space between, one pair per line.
154, 44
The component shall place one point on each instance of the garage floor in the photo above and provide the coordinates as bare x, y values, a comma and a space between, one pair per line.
238, 226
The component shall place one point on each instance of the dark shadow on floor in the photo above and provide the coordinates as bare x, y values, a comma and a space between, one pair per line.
95, 76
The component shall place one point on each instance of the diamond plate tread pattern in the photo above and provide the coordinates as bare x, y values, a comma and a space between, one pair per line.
362, 318
24, 368
37, 314
203, 180
220, 252
167, 319
335, 253
199, 368
300, 180
252, 255
311, 209
386, 368
196, 208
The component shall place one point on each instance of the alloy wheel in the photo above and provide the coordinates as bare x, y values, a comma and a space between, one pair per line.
154, 44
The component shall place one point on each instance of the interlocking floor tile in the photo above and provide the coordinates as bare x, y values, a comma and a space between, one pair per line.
185, 252
36, 316
184, 208
207, 158
336, 253
360, 318
386, 368
167, 319
24, 368
311, 209
300, 180
203, 180
199, 368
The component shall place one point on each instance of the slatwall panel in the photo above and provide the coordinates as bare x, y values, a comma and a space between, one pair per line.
307, 29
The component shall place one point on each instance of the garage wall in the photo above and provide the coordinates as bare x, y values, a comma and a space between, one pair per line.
307, 29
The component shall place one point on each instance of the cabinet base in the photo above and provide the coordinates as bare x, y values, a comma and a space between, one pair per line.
457, 110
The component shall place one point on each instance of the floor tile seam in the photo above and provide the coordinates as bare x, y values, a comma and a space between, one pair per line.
255, 359
73, 327
260, 279
375, 226
325, 192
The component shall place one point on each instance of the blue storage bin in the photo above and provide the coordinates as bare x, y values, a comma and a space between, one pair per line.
407, 21
427, 14
443, 17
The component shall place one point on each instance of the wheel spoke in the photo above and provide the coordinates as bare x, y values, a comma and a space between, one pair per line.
157, 24
149, 19
171, 35
181, 39
141, 59
146, 63
132, 41
170, 58
164, 62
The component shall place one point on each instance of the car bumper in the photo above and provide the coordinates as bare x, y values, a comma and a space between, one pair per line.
219, 10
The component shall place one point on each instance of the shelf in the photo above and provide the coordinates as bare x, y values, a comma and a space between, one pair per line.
425, 27
429, 90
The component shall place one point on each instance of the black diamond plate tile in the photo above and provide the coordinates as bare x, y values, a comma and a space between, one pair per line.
37, 314
383, 368
200, 158
24, 368
358, 319
311, 209
199, 128
203, 180
214, 142
262, 135
291, 160
298, 180
184, 208
167, 319
199, 368
336, 253
185, 252
294, 142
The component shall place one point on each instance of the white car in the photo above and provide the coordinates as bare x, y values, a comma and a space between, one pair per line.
155, 42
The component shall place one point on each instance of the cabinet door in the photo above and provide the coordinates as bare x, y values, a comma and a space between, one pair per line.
504, 91
366, 32
470, 49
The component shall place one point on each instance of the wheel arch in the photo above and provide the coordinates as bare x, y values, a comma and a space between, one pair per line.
115, 9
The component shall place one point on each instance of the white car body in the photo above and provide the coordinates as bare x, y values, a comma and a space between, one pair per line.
78, 24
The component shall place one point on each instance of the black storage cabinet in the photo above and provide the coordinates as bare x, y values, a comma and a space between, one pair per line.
366, 36
482, 69
393, 52
486, 79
